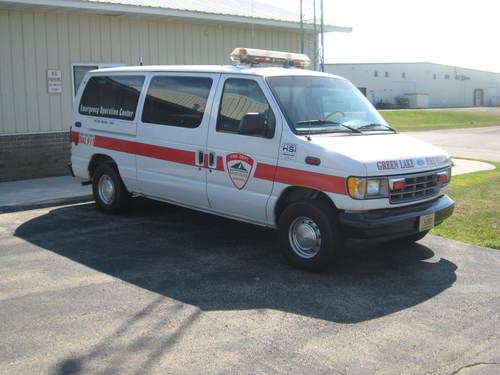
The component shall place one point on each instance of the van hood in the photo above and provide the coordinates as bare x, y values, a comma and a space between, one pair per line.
385, 153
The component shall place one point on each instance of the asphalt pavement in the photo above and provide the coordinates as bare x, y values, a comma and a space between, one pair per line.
162, 289
476, 143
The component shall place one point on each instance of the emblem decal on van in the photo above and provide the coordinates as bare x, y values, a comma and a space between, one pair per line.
239, 167
86, 139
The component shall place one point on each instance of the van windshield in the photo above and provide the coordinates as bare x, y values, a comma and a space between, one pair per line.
314, 105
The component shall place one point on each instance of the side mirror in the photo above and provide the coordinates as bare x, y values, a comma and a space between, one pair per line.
252, 123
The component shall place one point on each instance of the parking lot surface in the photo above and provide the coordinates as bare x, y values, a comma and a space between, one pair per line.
475, 143
163, 289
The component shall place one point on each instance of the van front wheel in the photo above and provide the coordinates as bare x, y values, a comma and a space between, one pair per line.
109, 191
308, 235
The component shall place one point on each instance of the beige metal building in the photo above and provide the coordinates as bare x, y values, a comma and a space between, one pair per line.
423, 84
46, 46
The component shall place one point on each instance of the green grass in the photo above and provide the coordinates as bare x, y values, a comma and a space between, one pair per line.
415, 120
476, 219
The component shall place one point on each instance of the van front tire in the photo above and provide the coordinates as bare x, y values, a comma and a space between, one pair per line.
110, 194
309, 236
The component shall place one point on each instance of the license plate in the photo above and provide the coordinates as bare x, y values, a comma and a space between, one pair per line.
426, 222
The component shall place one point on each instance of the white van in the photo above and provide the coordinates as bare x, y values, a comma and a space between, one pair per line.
293, 149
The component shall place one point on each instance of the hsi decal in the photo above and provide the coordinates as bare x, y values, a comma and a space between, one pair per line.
288, 151
239, 167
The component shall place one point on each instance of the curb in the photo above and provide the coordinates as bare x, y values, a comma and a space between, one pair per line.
46, 203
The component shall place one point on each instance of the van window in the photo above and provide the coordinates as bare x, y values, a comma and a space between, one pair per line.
176, 101
79, 72
241, 96
111, 96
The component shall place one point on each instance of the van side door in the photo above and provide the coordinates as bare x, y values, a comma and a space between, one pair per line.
105, 122
171, 164
241, 166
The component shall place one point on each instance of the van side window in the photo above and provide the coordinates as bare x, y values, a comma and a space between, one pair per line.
176, 101
239, 97
111, 96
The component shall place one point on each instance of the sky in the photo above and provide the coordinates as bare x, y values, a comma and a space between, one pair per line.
464, 33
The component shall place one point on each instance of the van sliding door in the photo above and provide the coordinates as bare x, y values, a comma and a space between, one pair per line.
172, 164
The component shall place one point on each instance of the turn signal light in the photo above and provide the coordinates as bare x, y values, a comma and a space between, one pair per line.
444, 176
398, 185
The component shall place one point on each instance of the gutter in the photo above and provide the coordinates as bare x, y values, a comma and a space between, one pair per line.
165, 12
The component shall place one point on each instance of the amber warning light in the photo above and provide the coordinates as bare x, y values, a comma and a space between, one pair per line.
261, 56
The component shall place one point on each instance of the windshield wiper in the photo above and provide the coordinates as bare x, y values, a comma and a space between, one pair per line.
375, 125
327, 122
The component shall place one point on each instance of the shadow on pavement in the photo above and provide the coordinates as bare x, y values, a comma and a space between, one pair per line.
219, 264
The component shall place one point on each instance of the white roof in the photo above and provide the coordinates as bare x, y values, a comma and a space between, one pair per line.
240, 69
241, 11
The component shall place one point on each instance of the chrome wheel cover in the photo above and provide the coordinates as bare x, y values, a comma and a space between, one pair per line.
304, 237
106, 189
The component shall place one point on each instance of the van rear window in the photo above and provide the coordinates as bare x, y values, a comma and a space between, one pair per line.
176, 101
111, 96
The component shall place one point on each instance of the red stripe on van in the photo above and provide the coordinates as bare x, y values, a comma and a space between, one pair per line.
284, 175
297, 177
152, 151
143, 149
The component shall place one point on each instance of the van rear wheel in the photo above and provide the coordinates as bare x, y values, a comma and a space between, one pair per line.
309, 235
110, 193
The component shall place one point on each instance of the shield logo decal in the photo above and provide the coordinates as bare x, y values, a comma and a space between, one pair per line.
239, 167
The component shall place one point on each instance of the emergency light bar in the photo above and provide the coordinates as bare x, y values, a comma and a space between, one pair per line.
262, 56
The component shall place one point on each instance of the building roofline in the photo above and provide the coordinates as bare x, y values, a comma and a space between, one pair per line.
170, 12
413, 63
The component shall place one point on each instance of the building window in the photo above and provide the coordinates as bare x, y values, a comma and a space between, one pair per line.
375, 73
80, 69
176, 101
111, 96
434, 76
403, 75
386, 74
446, 76
242, 96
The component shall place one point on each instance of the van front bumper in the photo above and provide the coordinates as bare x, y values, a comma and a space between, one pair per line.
394, 222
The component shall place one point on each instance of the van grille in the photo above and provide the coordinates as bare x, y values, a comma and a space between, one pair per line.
418, 186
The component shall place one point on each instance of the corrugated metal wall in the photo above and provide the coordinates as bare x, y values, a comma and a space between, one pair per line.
32, 42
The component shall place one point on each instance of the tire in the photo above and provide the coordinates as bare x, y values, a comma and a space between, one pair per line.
309, 236
409, 240
110, 194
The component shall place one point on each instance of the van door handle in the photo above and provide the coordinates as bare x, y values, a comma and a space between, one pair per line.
211, 159
200, 155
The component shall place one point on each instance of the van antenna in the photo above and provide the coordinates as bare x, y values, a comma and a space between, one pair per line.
140, 61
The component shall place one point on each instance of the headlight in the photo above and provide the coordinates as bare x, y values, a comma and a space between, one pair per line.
367, 188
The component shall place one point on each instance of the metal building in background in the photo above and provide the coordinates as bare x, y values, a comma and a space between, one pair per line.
421, 84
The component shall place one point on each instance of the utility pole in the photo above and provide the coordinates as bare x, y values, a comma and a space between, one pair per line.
322, 37
315, 38
301, 26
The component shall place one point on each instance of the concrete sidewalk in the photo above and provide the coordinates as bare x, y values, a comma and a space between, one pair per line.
66, 189
463, 166
41, 191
